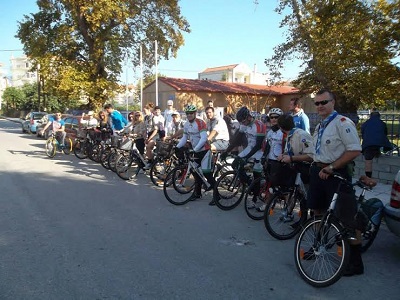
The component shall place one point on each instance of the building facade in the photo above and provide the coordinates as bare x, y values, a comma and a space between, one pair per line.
21, 72
236, 73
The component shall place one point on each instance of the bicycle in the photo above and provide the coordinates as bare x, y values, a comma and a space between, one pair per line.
129, 162
53, 145
286, 212
164, 162
88, 144
230, 188
179, 183
322, 250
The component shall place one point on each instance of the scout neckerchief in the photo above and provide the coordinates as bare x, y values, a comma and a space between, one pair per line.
321, 129
289, 149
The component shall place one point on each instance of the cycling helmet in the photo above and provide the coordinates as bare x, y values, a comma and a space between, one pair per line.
275, 111
242, 114
190, 108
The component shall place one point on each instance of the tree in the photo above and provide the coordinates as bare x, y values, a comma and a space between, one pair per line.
80, 45
347, 46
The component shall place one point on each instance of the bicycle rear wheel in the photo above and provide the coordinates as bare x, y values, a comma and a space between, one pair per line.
68, 145
321, 252
229, 190
159, 171
105, 153
255, 206
80, 149
94, 153
284, 215
178, 185
112, 158
51, 147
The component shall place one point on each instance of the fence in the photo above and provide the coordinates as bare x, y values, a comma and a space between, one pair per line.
392, 121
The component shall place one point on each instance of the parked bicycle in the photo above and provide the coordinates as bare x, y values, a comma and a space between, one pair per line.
53, 145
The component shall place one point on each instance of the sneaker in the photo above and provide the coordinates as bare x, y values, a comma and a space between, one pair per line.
194, 197
216, 197
261, 208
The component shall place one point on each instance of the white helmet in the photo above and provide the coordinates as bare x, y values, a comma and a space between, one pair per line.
275, 111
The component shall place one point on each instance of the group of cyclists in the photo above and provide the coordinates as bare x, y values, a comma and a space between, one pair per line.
275, 140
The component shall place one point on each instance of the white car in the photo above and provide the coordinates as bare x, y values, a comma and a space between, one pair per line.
392, 209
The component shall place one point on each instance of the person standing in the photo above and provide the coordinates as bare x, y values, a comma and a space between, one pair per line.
168, 117
336, 145
374, 136
117, 119
218, 134
91, 122
300, 118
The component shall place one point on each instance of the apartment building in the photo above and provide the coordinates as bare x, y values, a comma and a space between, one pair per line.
236, 73
21, 71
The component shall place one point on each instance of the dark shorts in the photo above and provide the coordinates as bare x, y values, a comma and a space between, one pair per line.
320, 191
371, 152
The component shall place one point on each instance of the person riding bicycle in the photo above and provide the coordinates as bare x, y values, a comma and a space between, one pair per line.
58, 127
255, 134
218, 133
195, 130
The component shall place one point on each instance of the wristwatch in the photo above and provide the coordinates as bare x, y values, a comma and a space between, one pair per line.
330, 167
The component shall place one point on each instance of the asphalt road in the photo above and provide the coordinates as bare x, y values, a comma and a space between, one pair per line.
69, 229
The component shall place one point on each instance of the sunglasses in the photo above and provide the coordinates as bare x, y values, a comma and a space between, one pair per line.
323, 102
274, 117
190, 113
137, 115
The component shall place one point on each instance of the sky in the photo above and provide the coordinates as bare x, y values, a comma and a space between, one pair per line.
223, 32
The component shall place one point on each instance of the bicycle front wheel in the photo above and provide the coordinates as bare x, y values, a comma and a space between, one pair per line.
94, 153
51, 147
284, 215
256, 205
178, 185
321, 252
126, 167
229, 190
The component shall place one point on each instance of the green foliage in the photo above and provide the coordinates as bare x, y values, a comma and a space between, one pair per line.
348, 46
81, 45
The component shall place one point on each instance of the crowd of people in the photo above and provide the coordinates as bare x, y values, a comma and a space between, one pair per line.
275, 139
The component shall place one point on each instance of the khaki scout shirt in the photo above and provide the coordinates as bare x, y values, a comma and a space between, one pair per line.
301, 142
338, 137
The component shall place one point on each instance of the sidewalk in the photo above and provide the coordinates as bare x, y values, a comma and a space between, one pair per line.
380, 191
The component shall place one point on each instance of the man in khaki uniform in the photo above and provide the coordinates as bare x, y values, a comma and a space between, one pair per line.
336, 144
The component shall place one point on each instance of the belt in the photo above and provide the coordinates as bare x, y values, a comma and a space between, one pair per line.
320, 164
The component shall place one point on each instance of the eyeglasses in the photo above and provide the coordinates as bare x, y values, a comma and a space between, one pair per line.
274, 117
323, 102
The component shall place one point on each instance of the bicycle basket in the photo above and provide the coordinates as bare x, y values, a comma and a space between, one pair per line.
125, 144
163, 149
81, 133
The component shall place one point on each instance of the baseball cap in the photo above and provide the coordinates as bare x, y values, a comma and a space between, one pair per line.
170, 102
90, 113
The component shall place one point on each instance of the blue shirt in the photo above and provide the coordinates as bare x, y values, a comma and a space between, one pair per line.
56, 124
118, 120
301, 121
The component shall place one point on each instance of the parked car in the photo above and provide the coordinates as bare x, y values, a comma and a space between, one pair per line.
42, 123
392, 209
31, 121
72, 125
